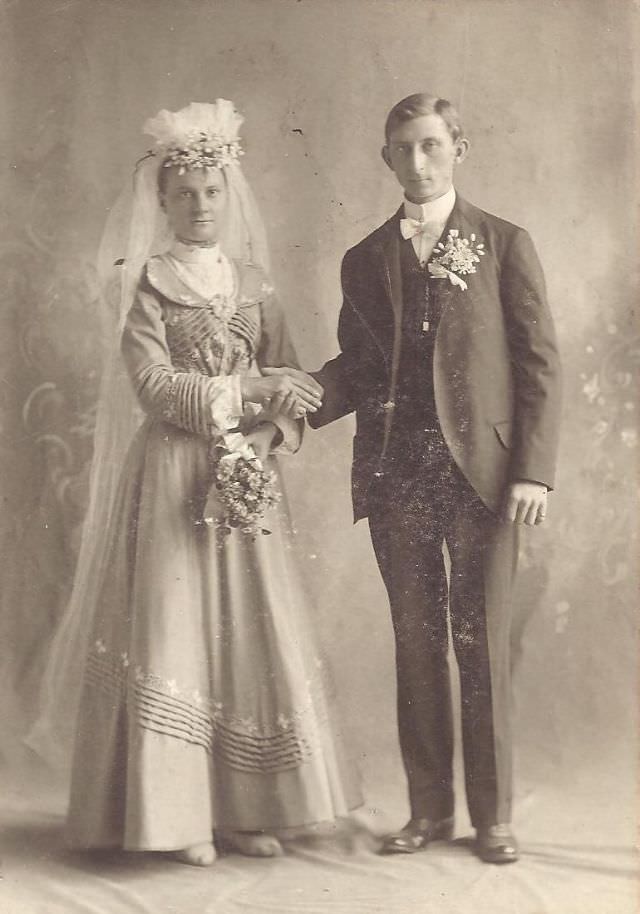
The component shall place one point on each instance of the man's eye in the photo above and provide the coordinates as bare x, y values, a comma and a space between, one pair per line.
213, 191
185, 193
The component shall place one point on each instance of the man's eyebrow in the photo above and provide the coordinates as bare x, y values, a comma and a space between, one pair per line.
423, 139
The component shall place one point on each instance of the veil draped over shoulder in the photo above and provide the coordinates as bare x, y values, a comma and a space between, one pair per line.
136, 229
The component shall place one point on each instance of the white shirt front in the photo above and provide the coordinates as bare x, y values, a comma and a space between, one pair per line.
435, 211
206, 270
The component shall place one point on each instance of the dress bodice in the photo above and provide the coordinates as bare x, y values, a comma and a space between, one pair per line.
201, 340
215, 334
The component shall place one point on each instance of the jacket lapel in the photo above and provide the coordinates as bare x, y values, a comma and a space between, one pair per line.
388, 261
388, 264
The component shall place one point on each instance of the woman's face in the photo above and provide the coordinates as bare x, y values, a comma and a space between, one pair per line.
194, 203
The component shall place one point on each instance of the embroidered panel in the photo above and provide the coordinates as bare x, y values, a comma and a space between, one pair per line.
242, 743
201, 341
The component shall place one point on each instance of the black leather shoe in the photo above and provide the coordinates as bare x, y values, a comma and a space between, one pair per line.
497, 844
416, 834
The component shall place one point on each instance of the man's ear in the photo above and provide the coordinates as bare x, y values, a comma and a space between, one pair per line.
462, 149
384, 152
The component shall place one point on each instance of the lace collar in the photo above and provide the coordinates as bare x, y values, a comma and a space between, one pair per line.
248, 285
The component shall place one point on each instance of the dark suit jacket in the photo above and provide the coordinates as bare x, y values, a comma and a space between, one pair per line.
496, 368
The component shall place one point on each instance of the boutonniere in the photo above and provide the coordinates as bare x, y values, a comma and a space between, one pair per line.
457, 256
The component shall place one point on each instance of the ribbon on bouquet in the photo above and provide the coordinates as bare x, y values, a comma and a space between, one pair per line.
440, 272
237, 446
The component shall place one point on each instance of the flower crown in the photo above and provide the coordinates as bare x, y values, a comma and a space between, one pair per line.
198, 136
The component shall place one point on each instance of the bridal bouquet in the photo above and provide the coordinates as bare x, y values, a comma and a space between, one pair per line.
242, 486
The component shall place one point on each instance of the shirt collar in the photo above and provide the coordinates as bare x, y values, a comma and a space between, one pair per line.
437, 210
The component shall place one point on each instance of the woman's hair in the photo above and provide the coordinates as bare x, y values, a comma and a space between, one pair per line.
419, 105
163, 177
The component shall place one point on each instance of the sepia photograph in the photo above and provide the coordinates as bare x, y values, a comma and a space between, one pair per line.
319, 457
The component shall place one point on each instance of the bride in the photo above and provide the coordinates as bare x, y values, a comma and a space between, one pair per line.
204, 710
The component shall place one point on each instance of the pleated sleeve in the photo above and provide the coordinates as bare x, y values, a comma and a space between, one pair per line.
200, 404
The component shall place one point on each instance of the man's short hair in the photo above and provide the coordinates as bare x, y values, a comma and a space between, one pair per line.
419, 105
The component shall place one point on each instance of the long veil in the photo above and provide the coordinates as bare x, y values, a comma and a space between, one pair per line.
137, 224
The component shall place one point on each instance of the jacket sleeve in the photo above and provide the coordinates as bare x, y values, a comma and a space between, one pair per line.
276, 350
337, 376
535, 363
203, 405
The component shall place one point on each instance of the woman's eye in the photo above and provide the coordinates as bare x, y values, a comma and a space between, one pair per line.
185, 193
213, 191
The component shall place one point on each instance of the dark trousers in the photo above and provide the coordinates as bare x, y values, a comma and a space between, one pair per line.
422, 501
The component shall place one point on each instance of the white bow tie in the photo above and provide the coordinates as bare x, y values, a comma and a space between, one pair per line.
410, 227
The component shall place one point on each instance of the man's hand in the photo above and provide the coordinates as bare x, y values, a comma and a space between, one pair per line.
526, 503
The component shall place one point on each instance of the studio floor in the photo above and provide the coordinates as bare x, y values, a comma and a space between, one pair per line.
577, 858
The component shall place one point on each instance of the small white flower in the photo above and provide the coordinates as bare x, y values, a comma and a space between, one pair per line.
100, 646
591, 389
629, 437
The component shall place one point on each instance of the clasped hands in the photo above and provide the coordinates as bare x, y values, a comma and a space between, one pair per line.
286, 392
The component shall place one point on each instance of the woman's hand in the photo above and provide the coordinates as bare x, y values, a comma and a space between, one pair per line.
261, 439
287, 391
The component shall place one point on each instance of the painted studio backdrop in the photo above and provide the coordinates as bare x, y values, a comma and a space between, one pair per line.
543, 90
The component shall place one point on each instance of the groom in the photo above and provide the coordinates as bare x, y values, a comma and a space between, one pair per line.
448, 357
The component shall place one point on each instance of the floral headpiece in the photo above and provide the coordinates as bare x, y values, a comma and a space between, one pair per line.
201, 135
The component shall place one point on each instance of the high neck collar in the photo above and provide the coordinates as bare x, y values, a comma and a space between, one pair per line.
195, 253
437, 210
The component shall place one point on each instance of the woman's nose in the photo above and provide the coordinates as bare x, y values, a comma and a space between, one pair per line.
200, 203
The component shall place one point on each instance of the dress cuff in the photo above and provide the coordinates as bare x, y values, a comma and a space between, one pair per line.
291, 434
236, 407
226, 406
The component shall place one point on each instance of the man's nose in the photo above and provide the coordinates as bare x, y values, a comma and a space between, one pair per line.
417, 160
